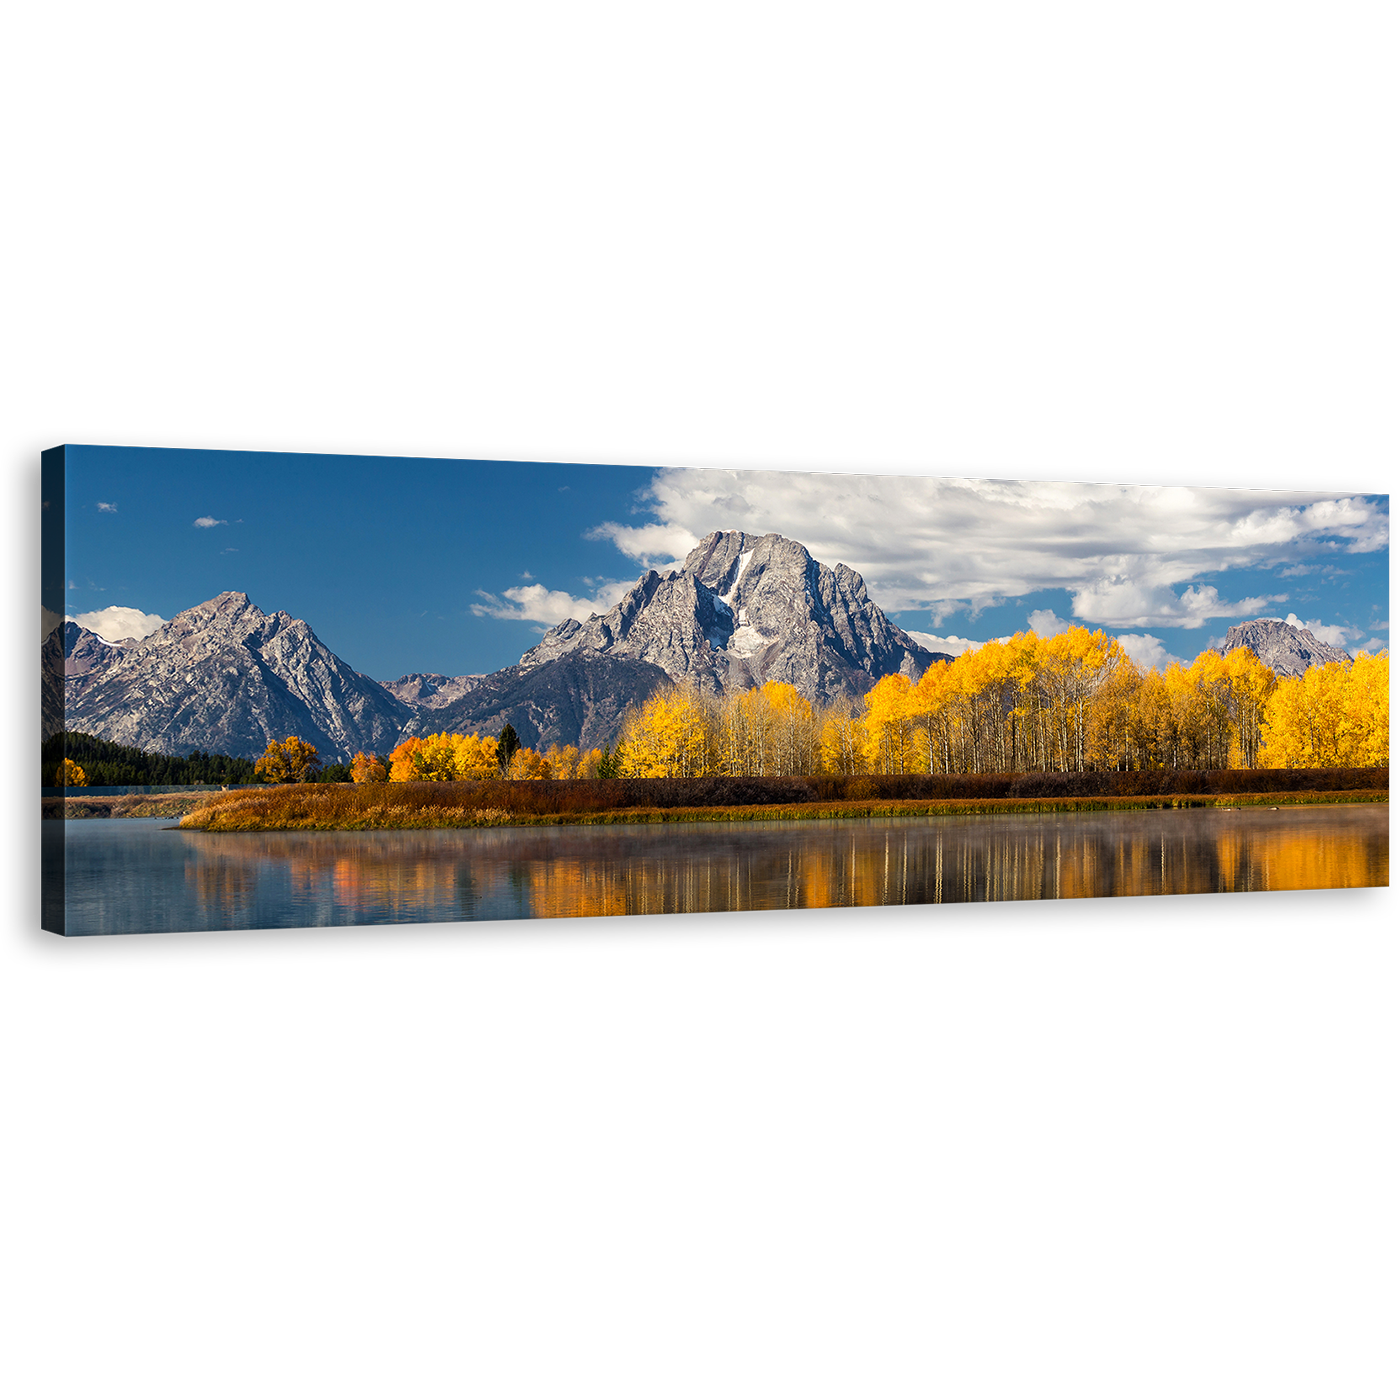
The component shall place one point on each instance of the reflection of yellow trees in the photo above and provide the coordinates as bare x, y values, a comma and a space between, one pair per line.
549, 874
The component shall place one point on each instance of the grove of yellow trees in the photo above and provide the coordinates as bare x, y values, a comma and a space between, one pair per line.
1073, 703
454, 757
1068, 703
1331, 716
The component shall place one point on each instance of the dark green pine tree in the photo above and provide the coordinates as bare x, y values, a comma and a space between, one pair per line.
507, 746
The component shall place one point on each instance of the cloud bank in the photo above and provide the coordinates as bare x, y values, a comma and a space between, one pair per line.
116, 624
1128, 555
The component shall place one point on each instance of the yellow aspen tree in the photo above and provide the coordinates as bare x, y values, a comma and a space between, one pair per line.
1368, 710
435, 759
587, 766
1211, 709
929, 713
889, 725
753, 732
1304, 720
1152, 724
72, 775
474, 756
1110, 716
667, 738
366, 768
401, 767
527, 764
792, 726
1251, 684
562, 762
291, 761
842, 742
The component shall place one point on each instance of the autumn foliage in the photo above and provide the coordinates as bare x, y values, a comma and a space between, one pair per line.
368, 768
1071, 703
291, 761
445, 758
72, 775
1074, 703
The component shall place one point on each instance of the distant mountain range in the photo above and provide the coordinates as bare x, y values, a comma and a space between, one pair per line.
743, 609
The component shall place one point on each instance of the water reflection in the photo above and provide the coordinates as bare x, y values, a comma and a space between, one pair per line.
287, 879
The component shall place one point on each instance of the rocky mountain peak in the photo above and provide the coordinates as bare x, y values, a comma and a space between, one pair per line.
744, 609
226, 676
1285, 649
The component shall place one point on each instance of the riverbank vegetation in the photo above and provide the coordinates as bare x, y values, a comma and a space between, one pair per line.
496, 802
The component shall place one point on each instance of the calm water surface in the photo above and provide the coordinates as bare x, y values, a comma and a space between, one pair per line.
124, 876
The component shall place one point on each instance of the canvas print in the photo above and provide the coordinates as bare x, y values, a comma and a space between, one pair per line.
284, 690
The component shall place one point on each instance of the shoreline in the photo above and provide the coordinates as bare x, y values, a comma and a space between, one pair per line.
390, 817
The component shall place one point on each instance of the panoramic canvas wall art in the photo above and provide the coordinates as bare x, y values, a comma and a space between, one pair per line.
285, 690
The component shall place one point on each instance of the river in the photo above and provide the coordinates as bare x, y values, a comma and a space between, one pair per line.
134, 876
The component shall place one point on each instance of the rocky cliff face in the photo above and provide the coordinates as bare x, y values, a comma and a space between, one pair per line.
745, 609
228, 677
1287, 651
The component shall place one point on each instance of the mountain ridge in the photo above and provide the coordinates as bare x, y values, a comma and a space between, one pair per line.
741, 610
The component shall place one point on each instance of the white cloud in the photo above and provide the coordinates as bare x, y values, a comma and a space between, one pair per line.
1149, 652
109, 507
207, 522
1125, 602
1044, 623
536, 603
47, 621
1125, 553
649, 545
116, 624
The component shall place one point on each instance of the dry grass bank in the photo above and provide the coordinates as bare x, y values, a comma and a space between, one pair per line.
406, 806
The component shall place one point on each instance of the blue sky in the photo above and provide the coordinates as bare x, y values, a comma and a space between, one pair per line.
408, 564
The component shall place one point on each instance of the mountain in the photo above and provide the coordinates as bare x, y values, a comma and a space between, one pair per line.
430, 691
744, 609
574, 699
51, 682
1288, 651
227, 677
85, 652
